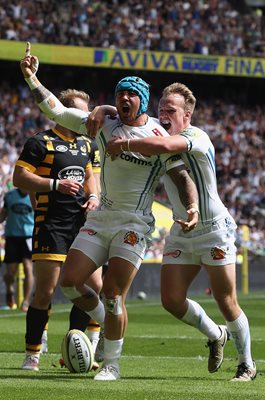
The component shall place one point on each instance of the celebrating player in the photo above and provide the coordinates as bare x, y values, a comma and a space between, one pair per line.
211, 244
120, 230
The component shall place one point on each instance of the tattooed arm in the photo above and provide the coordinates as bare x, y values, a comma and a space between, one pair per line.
71, 118
188, 195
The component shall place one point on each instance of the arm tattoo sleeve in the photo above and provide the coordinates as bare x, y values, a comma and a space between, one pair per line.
41, 93
186, 187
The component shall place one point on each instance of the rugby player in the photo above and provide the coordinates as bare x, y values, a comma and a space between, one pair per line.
119, 232
212, 242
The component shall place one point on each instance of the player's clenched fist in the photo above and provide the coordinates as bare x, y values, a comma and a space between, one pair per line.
68, 186
29, 64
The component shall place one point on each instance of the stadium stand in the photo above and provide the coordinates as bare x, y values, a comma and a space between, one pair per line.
200, 27
237, 132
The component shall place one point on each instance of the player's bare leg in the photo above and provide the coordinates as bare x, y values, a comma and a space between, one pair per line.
223, 284
117, 282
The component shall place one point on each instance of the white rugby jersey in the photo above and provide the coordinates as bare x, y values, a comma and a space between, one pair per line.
127, 183
199, 160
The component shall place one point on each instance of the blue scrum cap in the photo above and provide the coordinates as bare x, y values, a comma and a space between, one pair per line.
137, 85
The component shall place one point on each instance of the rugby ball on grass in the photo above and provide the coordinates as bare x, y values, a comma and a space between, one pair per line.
77, 352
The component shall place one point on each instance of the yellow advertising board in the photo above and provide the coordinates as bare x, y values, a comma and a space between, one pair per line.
163, 216
136, 59
164, 220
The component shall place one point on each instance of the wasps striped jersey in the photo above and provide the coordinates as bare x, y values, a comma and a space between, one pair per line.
50, 154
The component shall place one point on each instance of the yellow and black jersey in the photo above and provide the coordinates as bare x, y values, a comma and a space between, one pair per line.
50, 154
94, 155
58, 217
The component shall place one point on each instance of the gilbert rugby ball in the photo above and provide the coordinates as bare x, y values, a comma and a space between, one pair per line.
77, 352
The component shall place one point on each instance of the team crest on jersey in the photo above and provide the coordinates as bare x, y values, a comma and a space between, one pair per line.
131, 238
217, 253
83, 149
90, 232
61, 148
174, 254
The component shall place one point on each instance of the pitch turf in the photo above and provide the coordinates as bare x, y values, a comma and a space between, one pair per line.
163, 359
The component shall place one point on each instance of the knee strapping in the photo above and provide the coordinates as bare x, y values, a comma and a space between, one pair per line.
114, 306
71, 292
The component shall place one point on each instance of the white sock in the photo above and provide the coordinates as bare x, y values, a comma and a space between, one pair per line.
98, 314
112, 351
37, 355
239, 329
93, 336
197, 317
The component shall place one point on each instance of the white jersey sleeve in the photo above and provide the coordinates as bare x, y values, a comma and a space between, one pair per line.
174, 161
200, 162
70, 118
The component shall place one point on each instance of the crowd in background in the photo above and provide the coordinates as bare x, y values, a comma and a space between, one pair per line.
192, 26
238, 135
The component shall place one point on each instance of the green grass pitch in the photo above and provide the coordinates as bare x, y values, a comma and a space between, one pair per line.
163, 359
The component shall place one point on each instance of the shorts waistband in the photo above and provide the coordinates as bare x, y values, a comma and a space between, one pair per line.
223, 223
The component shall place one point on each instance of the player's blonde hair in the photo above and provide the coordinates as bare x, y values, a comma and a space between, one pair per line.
67, 97
180, 88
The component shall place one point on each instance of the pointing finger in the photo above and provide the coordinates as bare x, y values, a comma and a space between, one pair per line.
27, 53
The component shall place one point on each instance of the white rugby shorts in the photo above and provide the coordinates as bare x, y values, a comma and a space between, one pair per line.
108, 234
212, 245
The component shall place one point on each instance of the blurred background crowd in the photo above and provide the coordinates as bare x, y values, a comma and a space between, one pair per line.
223, 27
238, 134
193, 26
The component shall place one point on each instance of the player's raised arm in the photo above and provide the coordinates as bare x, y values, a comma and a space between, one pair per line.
71, 118
97, 117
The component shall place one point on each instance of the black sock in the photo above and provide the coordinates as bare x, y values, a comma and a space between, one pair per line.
78, 319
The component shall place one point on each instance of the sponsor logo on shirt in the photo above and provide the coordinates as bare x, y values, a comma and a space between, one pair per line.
74, 172
61, 148
43, 249
73, 149
22, 209
157, 132
135, 160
